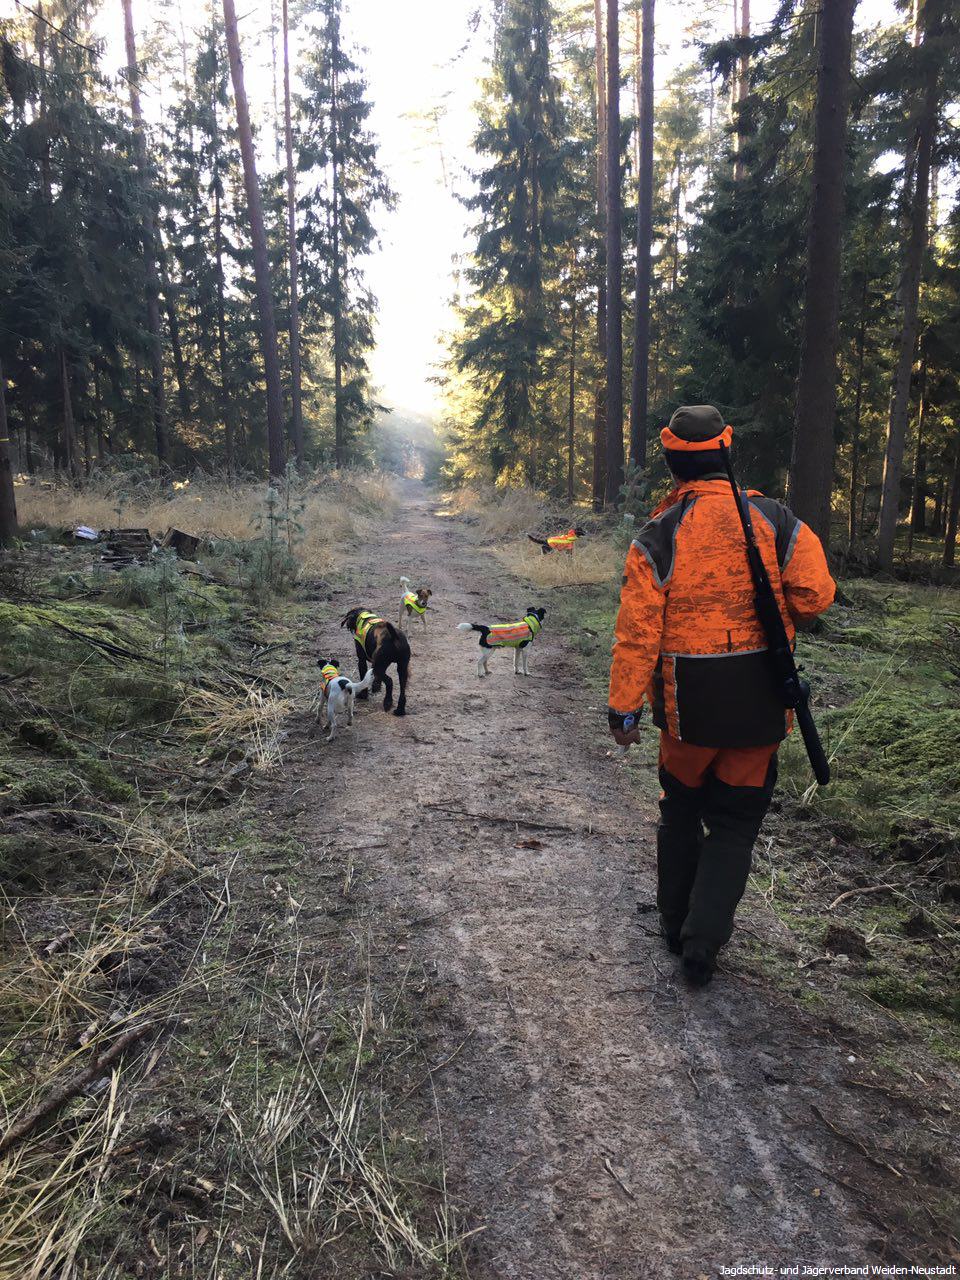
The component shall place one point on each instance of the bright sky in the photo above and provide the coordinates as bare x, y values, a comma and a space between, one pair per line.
422, 61
416, 63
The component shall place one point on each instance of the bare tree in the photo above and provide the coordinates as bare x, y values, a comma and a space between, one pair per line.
150, 246
296, 420
258, 238
614, 378
953, 511
599, 400
929, 20
571, 388
741, 83
811, 467
639, 385
8, 499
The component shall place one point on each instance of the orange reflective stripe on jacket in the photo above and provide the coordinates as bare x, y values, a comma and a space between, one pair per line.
563, 541
510, 635
328, 672
687, 635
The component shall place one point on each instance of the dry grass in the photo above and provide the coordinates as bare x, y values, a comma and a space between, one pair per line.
501, 513
248, 717
332, 510
594, 560
320, 1166
51, 1202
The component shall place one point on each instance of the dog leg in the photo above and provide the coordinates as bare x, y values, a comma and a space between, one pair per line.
523, 659
403, 672
516, 662
362, 665
380, 677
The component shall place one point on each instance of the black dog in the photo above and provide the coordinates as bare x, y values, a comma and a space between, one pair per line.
380, 643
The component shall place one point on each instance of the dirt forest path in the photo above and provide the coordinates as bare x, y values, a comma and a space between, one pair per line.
599, 1119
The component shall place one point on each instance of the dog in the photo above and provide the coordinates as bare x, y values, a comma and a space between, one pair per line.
507, 635
413, 604
337, 695
380, 644
559, 541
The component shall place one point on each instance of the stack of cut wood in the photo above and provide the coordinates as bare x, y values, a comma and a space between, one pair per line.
125, 546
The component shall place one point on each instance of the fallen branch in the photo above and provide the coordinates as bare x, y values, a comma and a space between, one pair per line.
854, 1142
617, 1179
70, 1088
497, 817
852, 893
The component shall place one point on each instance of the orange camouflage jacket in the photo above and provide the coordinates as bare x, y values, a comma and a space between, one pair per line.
687, 635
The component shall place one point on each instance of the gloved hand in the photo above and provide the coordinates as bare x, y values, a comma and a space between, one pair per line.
625, 728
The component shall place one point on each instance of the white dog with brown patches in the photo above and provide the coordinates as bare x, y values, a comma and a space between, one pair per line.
336, 697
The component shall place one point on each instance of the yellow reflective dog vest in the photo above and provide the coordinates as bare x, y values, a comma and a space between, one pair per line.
412, 600
511, 635
563, 541
328, 672
364, 622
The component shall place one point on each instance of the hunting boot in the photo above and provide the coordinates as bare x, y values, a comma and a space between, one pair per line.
732, 817
679, 835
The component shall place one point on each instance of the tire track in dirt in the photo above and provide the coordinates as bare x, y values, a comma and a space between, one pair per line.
600, 1120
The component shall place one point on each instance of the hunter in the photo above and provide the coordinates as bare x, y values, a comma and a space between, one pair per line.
689, 642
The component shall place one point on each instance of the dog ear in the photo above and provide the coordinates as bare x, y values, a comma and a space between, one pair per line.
344, 621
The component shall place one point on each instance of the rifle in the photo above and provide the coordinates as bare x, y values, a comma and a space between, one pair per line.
793, 689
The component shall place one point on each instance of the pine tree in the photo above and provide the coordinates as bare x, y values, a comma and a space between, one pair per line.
508, 330
344, 188
811, 469
261, 265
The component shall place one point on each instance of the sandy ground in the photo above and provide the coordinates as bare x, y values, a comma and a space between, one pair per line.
599, 1118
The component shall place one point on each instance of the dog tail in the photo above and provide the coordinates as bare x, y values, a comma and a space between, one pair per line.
405, 583
358, 686
468, 626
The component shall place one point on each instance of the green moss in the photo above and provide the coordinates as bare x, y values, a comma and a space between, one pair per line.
894, 991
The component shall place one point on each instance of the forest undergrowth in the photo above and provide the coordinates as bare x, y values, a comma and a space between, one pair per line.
856, 887
192, 1083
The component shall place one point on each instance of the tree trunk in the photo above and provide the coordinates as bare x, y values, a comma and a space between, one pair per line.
571, 393
71, 459
614, 378
918, 501
158, 407
98, 420
258, 238
599, 398
8, 499
909, 301
937, 527
340, 433
173, 324
953, 514
226, 400
811, 467
742, 82
857, 412
640, 373
296, 420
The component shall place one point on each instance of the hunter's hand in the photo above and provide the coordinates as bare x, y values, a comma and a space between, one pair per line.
625, 728
623, 739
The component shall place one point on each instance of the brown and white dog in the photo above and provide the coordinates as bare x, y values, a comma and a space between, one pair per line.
413, 604
336, 697
379, 645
